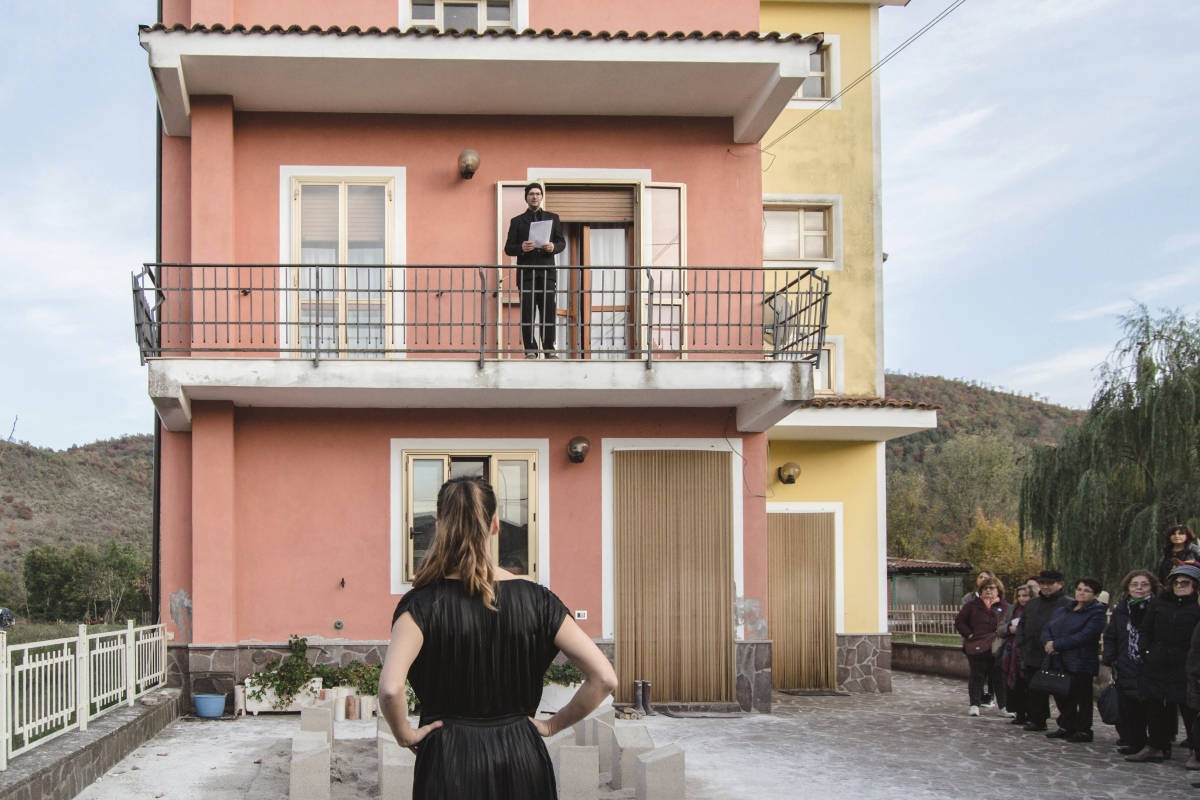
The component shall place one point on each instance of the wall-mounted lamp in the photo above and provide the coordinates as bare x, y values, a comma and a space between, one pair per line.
789, 472
577, 449
468, 164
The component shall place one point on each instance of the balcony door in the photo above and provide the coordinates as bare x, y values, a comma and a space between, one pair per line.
339, 296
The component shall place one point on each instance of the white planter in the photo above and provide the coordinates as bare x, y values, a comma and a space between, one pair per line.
306, 697
554, 697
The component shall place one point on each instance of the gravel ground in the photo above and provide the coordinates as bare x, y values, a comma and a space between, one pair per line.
916, 743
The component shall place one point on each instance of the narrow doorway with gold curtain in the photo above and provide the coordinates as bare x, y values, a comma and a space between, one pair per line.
673, 574
802, 600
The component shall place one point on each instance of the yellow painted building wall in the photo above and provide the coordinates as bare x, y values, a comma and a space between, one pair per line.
836, 153
846, 473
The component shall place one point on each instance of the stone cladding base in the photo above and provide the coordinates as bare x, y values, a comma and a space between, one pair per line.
864, 662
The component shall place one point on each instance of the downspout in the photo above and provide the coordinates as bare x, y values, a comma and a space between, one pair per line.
156, 485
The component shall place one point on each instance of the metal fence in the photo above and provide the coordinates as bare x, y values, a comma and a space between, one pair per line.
323, 311
55, 686
914, 621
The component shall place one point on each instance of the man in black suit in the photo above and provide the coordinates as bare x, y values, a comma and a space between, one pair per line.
537, 276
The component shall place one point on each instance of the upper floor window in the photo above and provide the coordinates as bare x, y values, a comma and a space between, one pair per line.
797, 234
817, 85
824, 376
460, 15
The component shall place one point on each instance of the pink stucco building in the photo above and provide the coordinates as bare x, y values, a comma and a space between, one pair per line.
331, 327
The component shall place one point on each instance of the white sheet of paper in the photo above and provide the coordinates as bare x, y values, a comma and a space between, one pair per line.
539, 232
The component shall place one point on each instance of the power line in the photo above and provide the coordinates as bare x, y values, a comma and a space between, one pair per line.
923, 30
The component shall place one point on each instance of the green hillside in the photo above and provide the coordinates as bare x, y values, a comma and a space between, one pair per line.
971, 408
86, 494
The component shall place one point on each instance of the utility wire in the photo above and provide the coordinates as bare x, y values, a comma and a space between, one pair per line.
924, 29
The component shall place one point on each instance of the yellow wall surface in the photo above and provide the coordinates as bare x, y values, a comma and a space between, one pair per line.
835, 154
846, 473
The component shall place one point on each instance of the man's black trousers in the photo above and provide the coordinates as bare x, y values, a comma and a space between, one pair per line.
538, 286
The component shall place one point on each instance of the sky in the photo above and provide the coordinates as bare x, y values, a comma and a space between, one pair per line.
1040, 178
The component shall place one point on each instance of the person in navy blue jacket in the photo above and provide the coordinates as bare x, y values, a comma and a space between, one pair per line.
1071, 640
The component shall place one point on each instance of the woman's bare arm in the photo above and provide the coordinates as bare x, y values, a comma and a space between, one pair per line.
599, 679
393, 702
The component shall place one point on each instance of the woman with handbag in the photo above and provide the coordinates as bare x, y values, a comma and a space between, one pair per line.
1072, 643
1164, 638
1010, 659
1122, 657
976, 623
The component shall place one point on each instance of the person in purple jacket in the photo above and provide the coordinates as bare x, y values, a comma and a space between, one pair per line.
1071, 640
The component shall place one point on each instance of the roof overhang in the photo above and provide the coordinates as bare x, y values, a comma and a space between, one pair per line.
763, 392
746, 78
853, 424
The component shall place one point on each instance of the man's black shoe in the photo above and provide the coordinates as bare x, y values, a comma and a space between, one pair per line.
1080, 737
1061, 733
1128, 751
1018, 721
1034, 726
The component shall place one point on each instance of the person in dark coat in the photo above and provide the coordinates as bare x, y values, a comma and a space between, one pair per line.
1121, 655
976, 623
537, 275
1164, 639
1072, 639
1192, 670
1181, 546
1029, 642
1010, 662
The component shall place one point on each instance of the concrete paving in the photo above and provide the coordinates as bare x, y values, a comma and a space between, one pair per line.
917, 743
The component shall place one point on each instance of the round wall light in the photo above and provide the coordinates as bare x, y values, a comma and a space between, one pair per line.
577, 449
468, 164
789, 472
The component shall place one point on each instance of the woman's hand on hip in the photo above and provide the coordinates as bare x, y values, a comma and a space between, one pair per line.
412, 737
543, 727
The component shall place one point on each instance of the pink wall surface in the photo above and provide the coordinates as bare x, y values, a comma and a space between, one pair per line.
312, 506
638, 15
175, 545
723, 224
577, 15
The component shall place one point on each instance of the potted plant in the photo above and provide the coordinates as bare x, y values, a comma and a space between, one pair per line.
286, 685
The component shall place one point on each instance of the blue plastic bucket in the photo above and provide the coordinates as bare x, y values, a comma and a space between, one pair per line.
209, 706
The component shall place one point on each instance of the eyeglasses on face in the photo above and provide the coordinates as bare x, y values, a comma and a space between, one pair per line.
1181, 582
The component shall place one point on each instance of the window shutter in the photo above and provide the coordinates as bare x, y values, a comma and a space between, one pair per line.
366, 207
591, 203
319, 213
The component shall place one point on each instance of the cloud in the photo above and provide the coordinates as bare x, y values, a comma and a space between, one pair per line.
1159, 290
1181, 241
1066, 377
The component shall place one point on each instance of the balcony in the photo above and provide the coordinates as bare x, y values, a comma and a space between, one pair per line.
438, 336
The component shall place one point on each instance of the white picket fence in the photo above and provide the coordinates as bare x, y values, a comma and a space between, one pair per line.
913, 621
55, 686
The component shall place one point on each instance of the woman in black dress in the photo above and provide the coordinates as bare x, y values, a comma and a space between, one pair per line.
474, 641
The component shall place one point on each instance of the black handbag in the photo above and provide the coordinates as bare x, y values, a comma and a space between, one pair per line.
1109, 704
1050, 681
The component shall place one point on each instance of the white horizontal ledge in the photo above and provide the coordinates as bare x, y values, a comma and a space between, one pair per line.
853, 424
763, 392
748, 80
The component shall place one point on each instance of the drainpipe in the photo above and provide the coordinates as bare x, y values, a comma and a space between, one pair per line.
155, 550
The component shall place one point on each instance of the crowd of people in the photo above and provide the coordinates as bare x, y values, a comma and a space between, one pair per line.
1046, 644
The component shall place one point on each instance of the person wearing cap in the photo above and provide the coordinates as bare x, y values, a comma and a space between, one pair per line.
1071, 639
1181, 546
1164, 639
1030, 648
537, 274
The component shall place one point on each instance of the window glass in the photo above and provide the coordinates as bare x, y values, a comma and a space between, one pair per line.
816, 61
814, 246
423, 10
460, 16
499, 11
469, 467
512, 506
427, 478
781, 234
814, 219
318, 224
822, 374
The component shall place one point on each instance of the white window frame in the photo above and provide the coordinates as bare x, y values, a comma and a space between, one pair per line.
519, 14
401, 447
832, 203
833, 78
290, 176
837, 386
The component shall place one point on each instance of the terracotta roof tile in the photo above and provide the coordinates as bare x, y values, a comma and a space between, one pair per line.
528, 33
869, 402
916, 563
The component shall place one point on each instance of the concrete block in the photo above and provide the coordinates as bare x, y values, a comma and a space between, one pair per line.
309, 779
582, 734
563, 737
383, 737
602, 734
629, 742
577, 772
582, 730
660, 774
319, 719
397, 768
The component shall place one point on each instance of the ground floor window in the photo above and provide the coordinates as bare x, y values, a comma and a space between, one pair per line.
513, 477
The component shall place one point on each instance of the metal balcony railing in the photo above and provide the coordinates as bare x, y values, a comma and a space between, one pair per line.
326, 311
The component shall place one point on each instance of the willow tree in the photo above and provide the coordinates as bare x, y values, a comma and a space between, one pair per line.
1099, 500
